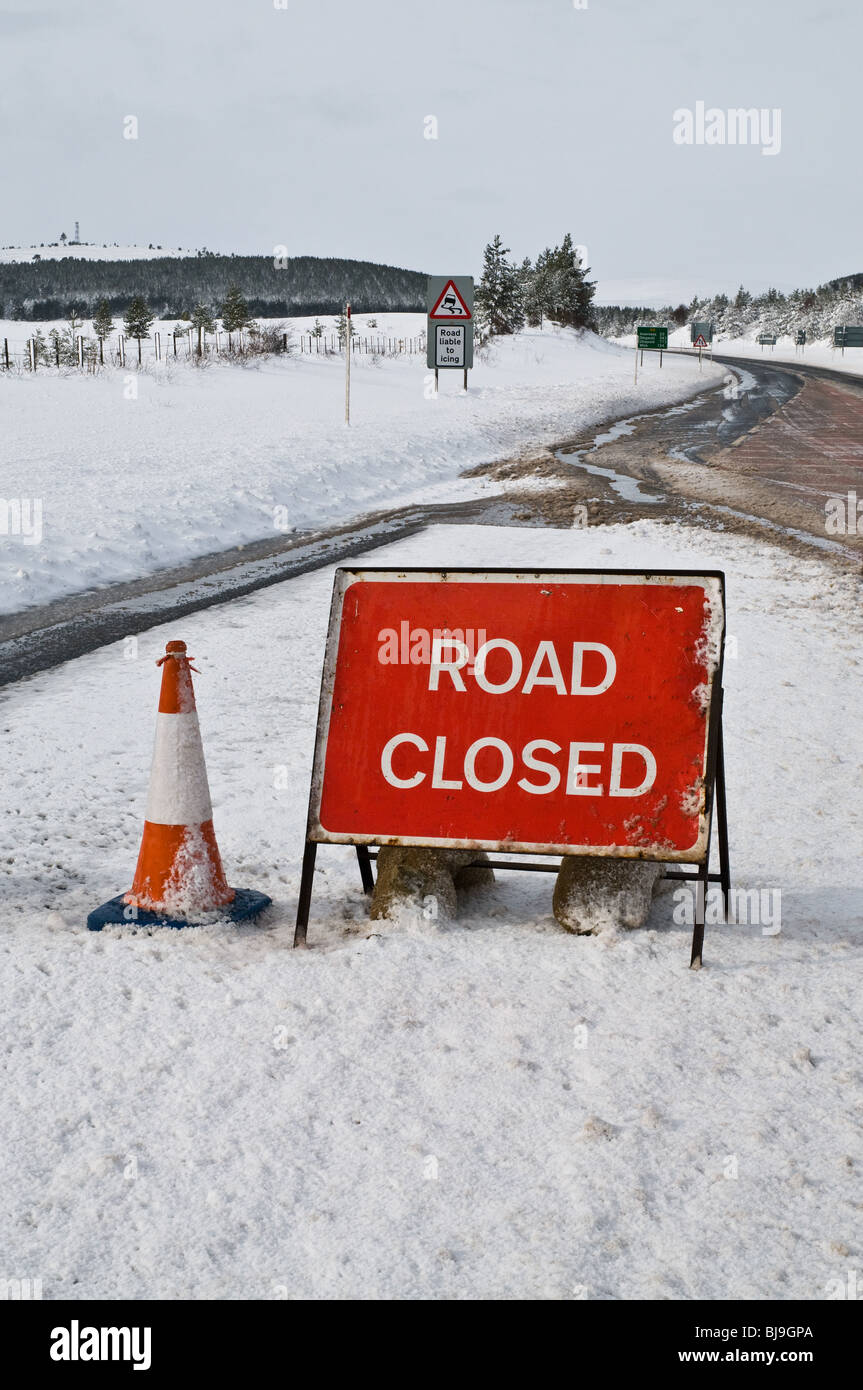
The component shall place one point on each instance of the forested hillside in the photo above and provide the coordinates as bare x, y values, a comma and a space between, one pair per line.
172, 285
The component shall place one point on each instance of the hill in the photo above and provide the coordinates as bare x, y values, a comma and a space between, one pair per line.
172, 284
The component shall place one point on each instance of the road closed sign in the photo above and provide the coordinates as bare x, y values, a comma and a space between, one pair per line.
559, 712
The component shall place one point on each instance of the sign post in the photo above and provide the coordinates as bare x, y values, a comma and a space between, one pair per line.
557, 713
449, 335
767, 339
347, 364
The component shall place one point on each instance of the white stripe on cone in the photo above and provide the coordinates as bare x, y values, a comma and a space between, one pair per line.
179, 793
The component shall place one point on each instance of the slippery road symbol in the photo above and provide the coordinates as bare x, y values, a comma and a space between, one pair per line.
450, 305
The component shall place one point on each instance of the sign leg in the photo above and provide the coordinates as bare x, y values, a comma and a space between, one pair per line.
698, 928
365, 863
305, 902
722, 824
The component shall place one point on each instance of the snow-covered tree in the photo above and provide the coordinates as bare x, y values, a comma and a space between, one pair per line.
137, 321
498, 298
235, 312
103, 325
569, 292
203, 321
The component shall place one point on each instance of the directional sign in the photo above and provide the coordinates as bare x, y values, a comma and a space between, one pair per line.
848, 335
559, 712
701, 328
449, 338
654, 338
801, 337
768, 338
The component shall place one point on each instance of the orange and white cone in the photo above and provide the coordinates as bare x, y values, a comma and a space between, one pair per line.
179, 877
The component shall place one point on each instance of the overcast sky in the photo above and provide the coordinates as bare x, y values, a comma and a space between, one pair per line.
305, 126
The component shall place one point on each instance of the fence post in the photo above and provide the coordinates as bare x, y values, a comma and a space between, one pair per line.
6, 352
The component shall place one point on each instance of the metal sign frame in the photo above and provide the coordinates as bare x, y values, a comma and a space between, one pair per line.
713, 777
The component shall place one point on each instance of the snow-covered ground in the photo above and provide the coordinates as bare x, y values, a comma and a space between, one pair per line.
133, 471
495, 1109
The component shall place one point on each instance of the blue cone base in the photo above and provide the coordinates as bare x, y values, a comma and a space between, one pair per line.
247, 905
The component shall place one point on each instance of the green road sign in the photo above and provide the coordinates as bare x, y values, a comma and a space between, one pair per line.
656, 338
449, 339
767, 338
801, 337
701, 328
848, 335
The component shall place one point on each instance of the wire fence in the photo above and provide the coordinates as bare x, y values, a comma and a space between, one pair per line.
89, 354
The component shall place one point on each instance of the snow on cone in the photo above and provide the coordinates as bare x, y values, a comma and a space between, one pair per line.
179, 877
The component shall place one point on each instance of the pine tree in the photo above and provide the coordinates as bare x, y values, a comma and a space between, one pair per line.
103, 325
570, 293
530, 290
137, 322
498, 297
342, 327
204, 321
235, 312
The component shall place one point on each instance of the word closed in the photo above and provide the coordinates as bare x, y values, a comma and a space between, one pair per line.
575, 720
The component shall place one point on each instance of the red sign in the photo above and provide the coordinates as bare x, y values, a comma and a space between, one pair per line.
700, 341
559, 712
449, 304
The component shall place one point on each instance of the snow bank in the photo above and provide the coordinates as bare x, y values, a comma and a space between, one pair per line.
490, 1109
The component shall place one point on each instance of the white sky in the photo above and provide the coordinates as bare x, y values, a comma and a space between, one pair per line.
304, 127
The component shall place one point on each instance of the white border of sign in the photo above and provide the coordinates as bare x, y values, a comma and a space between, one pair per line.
713, 583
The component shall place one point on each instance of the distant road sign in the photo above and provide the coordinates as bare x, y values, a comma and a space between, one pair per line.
449, 339
848, 335
654, 338
767, 338
801, 337
701, 328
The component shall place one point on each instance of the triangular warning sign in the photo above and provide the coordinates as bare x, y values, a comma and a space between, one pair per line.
449, 304
700, 341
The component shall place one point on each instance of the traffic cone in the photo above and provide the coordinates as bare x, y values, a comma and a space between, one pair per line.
179, 879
